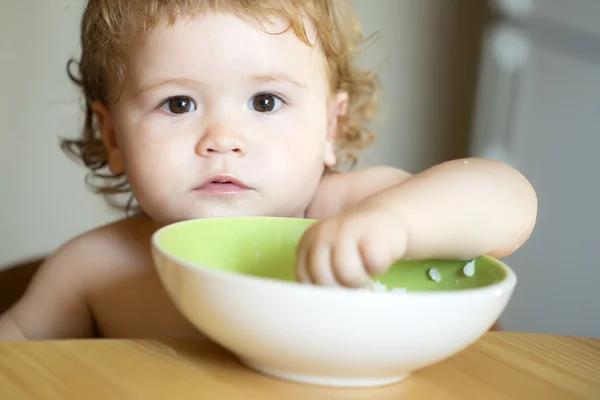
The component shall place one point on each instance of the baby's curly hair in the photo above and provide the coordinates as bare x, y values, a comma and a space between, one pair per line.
108, 26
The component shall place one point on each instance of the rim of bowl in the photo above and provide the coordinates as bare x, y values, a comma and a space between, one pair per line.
508, 282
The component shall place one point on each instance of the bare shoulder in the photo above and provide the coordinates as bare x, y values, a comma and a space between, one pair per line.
56, 303
116, 241
87, 259
339, 191
101, 247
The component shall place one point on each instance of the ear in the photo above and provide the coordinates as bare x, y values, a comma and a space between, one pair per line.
104, 118
338, 107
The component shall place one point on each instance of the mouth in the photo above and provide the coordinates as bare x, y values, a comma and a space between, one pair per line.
222, 184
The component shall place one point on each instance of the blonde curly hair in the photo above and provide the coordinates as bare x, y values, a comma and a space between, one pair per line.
108, 25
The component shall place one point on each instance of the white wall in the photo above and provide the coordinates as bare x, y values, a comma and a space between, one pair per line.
427, 77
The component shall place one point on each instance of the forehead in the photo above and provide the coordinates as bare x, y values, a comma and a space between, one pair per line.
220, 46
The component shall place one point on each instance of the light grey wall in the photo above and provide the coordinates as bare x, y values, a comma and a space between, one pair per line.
556, 144
539, 110
431, 52
43, 198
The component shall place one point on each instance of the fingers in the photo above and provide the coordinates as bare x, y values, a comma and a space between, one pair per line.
330, 259
349, 249
314, 260
301, 271
347, 264
376, 256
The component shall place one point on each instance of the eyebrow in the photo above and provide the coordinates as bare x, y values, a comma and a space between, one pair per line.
278, 78
164, 82
273, 77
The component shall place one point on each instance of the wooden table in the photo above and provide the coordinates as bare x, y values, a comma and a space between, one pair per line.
499, 366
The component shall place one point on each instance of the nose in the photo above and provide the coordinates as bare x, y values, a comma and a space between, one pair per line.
221, 140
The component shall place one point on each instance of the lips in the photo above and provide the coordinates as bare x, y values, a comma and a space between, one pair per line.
222, 184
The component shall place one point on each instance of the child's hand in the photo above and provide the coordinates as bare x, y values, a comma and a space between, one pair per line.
351, 247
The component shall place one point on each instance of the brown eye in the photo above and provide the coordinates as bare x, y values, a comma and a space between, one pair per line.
180, 105
265, 103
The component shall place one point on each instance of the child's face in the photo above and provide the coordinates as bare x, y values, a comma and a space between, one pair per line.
218, 96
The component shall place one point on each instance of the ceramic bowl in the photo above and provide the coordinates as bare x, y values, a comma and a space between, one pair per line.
233, 278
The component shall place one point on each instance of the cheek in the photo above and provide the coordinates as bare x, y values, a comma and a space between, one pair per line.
297, 149
307, 127
152, 158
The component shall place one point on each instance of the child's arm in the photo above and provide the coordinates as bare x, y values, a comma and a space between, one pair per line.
462, 209
54, 306
458, 210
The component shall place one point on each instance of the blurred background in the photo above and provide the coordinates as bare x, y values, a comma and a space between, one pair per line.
514, 80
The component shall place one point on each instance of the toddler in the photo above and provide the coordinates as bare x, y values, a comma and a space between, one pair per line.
217, 108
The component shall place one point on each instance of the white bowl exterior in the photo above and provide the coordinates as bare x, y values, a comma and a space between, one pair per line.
330, 332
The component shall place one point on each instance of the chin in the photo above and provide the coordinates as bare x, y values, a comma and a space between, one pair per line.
218, 212
220, 209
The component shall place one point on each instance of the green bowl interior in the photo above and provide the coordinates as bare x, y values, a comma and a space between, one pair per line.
266, 247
